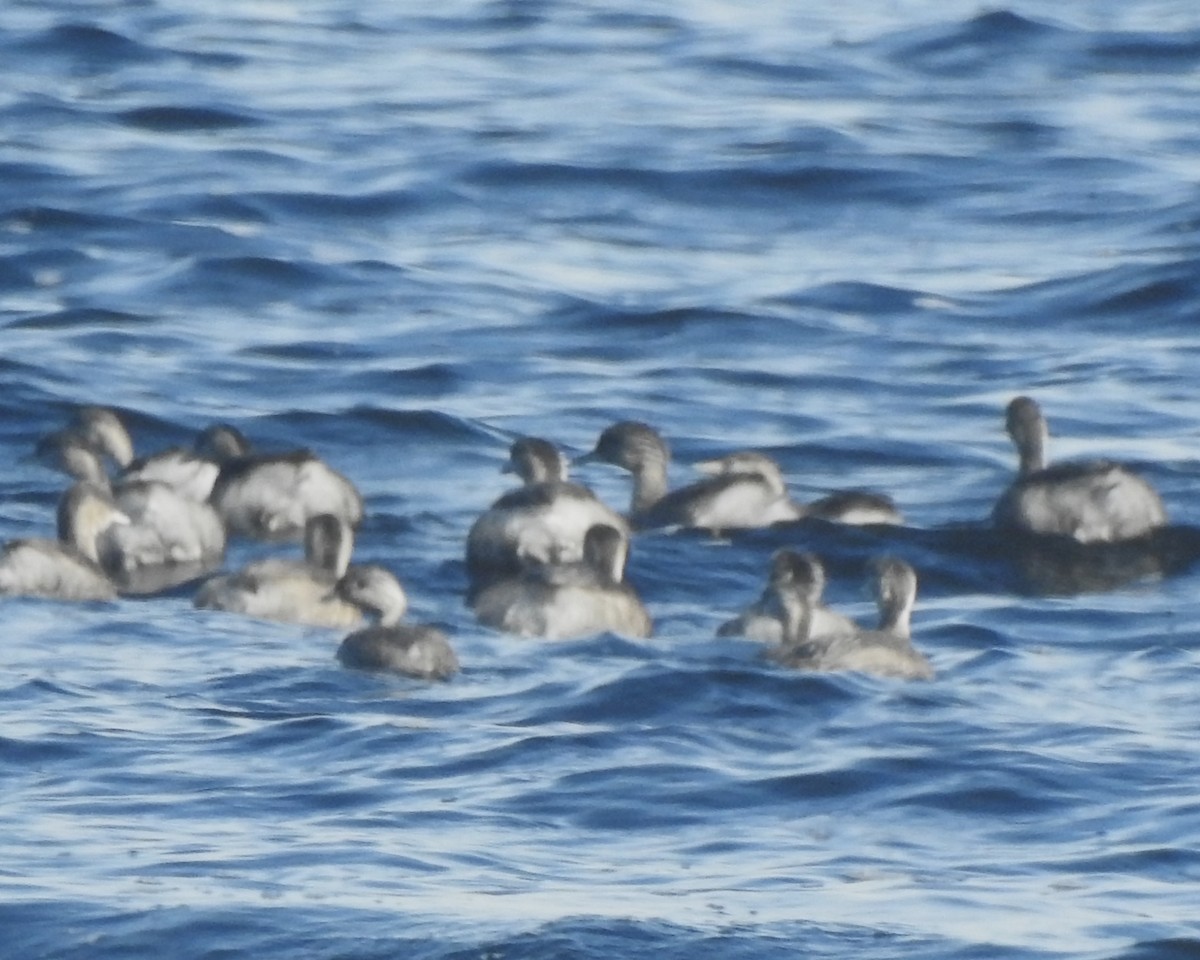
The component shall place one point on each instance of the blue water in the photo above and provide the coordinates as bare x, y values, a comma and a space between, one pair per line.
402, 234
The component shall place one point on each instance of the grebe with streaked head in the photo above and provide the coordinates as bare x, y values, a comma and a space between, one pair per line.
1090, 501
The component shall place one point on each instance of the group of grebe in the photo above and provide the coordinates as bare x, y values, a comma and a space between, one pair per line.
546, 560
164, 519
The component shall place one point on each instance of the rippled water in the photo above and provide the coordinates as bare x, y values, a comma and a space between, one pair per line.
404, 234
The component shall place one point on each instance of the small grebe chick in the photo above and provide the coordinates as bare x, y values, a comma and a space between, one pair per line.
561, 601
292, 591
857, 507
887, 651
543, 521
67, 568
414, 650
1093, 502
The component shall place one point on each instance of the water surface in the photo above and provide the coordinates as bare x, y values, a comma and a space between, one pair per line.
403, 236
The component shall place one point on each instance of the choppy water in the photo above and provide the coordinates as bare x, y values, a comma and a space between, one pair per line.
402, 234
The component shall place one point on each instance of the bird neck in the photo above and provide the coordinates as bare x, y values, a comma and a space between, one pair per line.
649, 484
797, 617
895, 616
1031, 448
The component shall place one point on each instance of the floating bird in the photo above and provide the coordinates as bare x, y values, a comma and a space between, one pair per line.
1095, 501
413, 650
886, 651
542, 521
292, 591
67, 568
272, 496
855, 507
169, 538
560, 601
725, 502
744, 490
764, 619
